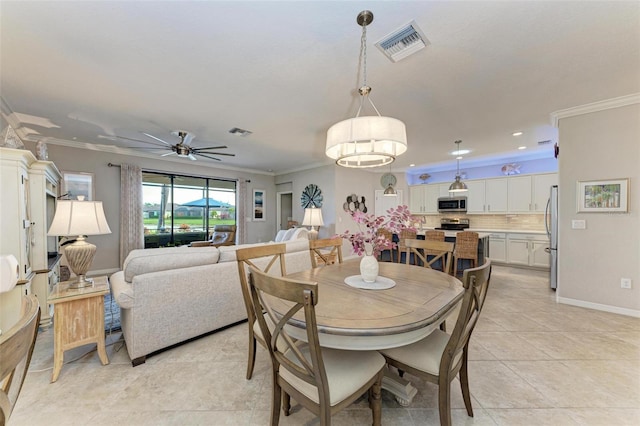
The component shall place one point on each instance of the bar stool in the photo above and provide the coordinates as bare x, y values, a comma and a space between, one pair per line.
388, 236
405, 234
466, 248
434, 235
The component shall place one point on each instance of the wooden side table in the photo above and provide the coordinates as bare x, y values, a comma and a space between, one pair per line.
78, 319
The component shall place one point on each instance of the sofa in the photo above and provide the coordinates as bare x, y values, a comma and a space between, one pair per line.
170, 295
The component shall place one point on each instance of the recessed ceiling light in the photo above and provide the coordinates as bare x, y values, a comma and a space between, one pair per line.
517, 134
459, 157
522, 147
412, 165
460, 152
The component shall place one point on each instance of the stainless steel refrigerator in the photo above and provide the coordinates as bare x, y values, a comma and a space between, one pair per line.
551, 223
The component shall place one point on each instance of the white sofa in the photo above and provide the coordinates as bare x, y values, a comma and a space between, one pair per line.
170, 295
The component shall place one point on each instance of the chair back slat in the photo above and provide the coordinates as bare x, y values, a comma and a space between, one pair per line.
405, 234
476, 283
16, 348
422, 249
266, 255
319, 253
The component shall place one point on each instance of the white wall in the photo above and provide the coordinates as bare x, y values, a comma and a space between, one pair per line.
107, 190
595, 146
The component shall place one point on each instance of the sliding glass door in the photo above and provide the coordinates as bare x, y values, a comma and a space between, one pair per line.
179, 209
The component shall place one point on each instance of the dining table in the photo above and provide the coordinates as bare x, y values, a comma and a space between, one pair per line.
404, 305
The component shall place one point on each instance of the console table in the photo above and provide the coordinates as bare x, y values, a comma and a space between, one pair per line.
78, 319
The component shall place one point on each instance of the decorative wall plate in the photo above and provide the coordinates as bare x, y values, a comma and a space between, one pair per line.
311, 196
388, 179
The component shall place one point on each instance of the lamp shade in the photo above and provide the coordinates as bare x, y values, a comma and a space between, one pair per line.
312, 217
368, 141
458, 186
74, 217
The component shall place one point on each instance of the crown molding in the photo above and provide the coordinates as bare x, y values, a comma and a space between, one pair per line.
621, 101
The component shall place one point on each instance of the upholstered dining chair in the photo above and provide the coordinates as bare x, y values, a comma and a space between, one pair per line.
404, 235
422, 249
320, 379
440, 357
466, 248
325, 251
268, 256
16, 348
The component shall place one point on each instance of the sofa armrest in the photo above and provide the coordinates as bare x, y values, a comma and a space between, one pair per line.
122, 290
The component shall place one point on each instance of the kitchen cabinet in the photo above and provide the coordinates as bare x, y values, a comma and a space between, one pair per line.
488, 196
498, 247
529, 194
528, 250
423, 199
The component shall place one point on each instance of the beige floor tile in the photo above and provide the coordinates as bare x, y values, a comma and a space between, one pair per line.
430, 417
508, 346
605, 416
531, 417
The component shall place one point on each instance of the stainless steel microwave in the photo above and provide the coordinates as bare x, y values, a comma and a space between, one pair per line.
452, 204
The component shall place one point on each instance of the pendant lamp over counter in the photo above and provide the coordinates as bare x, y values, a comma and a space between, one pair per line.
458, 185
367, 141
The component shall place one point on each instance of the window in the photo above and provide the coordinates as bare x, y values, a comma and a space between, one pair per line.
180, 209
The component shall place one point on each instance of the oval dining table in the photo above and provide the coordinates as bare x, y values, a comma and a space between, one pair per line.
351, 318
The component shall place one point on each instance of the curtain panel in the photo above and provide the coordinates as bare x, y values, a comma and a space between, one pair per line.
131, 219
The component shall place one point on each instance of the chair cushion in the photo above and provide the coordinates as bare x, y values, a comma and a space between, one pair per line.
346, 372
423, 355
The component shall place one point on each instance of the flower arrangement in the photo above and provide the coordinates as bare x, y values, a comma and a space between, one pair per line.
368, 236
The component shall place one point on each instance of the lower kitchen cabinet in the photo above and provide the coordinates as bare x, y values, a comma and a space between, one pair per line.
498, 247
528, 250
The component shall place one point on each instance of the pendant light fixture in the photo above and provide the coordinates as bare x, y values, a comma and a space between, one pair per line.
367, 141
457, 185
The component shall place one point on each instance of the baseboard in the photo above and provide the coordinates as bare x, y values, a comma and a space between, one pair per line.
599, 307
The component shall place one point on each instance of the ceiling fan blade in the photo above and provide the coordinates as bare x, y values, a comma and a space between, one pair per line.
188, 138
164, 148
192, 157
214, 153
209, 147
206, 156
158, 139
127, 139
168, 153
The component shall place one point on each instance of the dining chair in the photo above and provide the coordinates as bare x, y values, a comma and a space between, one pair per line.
440, 357
266, 256
404, 234
322, 380
388, 235
421, 249
319, 252
16, 348
466, 248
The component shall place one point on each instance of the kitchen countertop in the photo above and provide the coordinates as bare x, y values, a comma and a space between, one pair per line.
452, 234
483, 232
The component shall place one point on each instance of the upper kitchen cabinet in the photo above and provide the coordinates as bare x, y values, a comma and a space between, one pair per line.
487, 196
423, 199
529, 194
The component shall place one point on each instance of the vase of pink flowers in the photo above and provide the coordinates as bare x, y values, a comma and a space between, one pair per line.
369, 243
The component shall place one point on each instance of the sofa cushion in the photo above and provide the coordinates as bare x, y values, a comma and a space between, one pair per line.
142, 261
280, 235
228, 253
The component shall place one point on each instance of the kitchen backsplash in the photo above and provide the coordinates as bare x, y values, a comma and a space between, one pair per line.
529, 222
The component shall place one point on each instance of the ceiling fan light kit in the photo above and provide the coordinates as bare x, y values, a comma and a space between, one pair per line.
367, 141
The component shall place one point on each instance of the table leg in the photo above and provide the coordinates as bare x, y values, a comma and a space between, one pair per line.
401, 388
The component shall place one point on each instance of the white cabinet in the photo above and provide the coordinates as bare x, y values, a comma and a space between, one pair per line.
529, 194
528, 250
486, 196
498, 247
384, 203
423, 199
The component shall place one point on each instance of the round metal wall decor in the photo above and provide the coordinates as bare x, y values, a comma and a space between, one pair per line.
354, 204
311, 196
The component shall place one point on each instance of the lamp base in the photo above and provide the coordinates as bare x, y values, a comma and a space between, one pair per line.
313, 233
79, 256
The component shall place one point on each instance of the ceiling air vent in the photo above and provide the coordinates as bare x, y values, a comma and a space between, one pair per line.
403, 42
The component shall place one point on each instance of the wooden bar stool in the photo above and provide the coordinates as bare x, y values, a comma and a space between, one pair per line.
466, 248
404, 235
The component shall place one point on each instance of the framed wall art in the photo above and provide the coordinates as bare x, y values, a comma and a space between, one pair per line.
603, 196
259, 205
76, 184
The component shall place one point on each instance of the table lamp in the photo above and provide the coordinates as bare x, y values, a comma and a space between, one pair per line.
9, 272
312, 218
79, 218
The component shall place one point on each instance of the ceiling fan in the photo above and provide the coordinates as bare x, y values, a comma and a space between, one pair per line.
183, 148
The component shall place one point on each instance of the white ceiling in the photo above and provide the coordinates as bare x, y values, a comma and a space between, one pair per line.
74, 72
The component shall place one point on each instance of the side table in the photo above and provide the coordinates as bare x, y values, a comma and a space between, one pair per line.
78, 319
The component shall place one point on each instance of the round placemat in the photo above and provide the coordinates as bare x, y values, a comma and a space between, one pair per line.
381, 283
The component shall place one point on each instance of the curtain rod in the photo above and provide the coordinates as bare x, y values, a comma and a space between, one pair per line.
165, 172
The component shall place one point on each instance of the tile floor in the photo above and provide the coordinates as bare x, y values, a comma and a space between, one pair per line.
532, 362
